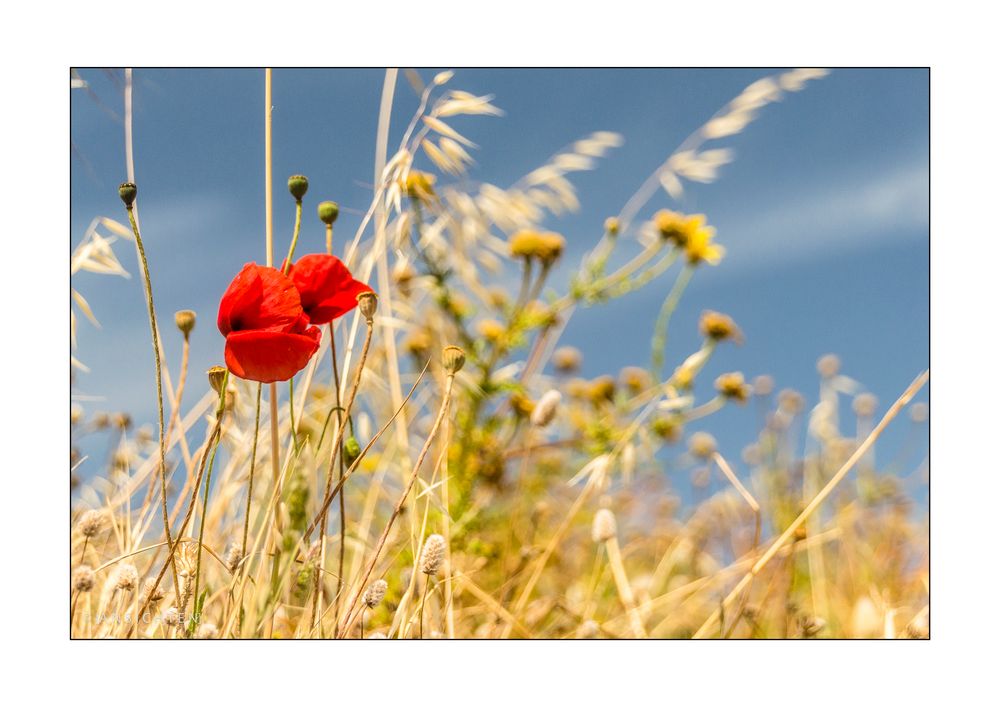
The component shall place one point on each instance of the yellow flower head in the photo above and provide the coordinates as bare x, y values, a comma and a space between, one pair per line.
731, 386
719, 327
419, 185
490, 329
547, 247
677, 228
669, 428
700, 248
567, 359
635, 379
602, 389
521, 404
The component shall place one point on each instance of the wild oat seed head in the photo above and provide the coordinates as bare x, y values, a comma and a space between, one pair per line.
546, 408
216, 377
375, 593
126, 577
828, 366
367, 305
328, 211
567, 359
605, 526
207, 630
90, 523
432, 554
702, 445
864, 405
127, 192
185, 319
298, 185
732, 387
83, 578
453, 359
719, 327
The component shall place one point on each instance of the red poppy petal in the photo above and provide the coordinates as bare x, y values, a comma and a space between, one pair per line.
326, 287
339, 304
259, 297
270, 356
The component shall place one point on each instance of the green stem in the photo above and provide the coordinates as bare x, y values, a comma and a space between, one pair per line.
159, 391
204, 500
253, 462
659, 343
295, 237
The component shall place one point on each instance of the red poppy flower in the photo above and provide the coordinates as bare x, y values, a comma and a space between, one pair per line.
326, 287
268, 337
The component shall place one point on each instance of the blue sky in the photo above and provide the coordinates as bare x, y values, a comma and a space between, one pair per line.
824, 212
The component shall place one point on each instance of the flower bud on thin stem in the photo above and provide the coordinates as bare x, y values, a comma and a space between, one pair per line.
185, 320
127, 191
368, 304
328, 212
454, 359
217, 378
298, 185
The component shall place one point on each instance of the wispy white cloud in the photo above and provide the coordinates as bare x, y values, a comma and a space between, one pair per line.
856, 212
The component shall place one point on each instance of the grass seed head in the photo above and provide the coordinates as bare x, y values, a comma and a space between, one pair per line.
126, 577
605, 526
83, 578
90, 523
432, 555
375, 593
546, 408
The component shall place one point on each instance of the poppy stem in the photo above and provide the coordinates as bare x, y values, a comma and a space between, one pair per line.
159, 389
212, 437
204, 502
295, 237
253, 463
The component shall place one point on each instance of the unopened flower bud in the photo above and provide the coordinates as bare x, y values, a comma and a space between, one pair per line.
454, 359
368, 304
328, 212
611, 226
352, 450
298, 185
216, 378
185, 319
127, 192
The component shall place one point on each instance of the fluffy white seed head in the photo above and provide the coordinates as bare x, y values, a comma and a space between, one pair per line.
432, 555
83, 578
90, 523
546, 408
126, 577
605, 526
207, 630
375, 593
